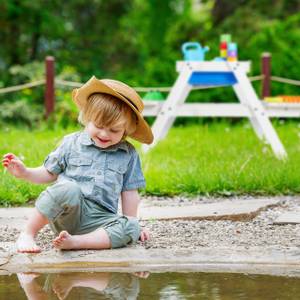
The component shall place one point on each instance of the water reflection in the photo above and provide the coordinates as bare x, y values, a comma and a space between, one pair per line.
163, 286
81, 285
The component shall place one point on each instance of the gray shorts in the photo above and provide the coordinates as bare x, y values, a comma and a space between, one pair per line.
66, 209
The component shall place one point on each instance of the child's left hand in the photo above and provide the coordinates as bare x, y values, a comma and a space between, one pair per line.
145, 235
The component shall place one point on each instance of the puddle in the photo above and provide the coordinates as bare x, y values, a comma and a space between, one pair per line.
144, 285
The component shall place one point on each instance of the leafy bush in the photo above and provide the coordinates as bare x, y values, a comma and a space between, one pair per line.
20, 113
21, 74
66, 112
27, 106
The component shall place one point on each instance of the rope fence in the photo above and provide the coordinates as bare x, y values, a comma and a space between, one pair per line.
74, 84
22, 86
68, 83
50, 82
285, 80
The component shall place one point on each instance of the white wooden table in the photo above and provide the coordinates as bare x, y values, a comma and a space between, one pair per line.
193, 75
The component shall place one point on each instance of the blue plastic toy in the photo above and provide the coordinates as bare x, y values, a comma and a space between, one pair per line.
219, 59
194, 51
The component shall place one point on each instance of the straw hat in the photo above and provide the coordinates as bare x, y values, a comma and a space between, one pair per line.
121, 91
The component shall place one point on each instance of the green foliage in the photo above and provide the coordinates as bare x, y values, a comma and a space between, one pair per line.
27, 106
29, 72
66, 113
139, 41
19, 113
282, 39
21, 74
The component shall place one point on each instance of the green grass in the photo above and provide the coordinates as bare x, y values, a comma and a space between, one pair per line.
213, 159
224, 160
32, 147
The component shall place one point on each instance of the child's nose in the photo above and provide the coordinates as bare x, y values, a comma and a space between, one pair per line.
103, 133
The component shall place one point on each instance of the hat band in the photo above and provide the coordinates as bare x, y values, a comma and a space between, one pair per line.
133, 104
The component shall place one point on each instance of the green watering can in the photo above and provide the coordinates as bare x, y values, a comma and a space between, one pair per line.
154, 95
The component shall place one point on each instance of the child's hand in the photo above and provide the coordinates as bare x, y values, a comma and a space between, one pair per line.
145, 235
14, 165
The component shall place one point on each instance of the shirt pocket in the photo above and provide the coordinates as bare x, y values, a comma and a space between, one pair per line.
114, 176
80, 168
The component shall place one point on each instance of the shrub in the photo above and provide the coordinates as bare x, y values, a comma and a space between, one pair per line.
20, 113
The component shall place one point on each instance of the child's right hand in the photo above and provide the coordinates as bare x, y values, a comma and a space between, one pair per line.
14, 165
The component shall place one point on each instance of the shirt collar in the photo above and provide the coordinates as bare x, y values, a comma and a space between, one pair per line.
85, 139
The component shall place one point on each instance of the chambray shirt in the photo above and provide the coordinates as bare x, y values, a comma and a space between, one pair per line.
102, 174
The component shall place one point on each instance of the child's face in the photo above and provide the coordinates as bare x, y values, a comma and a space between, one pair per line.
105, 136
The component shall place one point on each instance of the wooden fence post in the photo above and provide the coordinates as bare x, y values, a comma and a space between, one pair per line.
266, 72
49, 88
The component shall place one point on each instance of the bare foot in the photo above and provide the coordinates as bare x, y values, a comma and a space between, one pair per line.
64, 241
26, 244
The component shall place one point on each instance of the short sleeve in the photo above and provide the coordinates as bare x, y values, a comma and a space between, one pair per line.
134, 178
55, 162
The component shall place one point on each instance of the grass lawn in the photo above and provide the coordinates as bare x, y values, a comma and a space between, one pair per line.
214, 159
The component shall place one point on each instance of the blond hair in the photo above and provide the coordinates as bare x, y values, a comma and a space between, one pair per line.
105, 110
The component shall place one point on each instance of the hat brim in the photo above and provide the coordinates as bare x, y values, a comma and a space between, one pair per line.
80, 96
